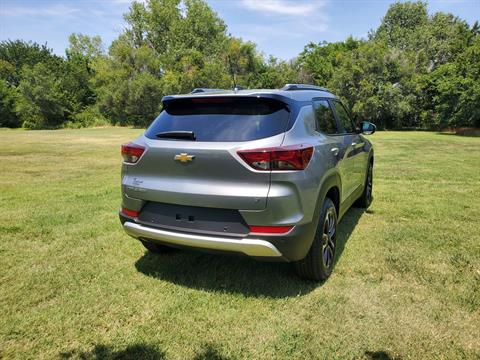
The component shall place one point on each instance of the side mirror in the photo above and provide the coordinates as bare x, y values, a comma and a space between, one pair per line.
367, 128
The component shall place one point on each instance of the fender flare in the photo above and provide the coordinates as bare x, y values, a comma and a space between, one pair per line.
332, 179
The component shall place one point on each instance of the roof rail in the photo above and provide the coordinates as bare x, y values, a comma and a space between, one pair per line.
291, 87
201, 90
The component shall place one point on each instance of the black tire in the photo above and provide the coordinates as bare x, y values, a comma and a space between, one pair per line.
319, 262
156, 248
365, 200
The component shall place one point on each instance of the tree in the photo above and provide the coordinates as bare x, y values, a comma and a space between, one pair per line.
374, 81
78, 72
275, 74
85, 47
445, 36
19, 53
42, 103
242, 61
322, 59
401, 25
455, 90
165, 49
8, 117
414, 70
7, 72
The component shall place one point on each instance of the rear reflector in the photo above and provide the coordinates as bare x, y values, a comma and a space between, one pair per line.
270, 229
132, 152
294, 157
128, 212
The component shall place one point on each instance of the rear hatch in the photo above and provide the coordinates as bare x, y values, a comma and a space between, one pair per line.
191, 152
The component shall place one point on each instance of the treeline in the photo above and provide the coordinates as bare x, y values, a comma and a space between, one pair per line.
415, 71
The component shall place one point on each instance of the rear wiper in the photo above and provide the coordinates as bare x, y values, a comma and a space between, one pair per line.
183, 135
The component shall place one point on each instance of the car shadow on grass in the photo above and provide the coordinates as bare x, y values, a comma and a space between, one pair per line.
238, 274
379, 355
99, 351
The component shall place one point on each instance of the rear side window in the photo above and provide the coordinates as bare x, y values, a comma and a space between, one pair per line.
324, 117
222, 118
346, 124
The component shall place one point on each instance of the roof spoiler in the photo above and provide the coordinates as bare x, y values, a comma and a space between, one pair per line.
293, 87
204, 90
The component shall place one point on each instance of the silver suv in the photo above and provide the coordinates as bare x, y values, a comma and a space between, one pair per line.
265, 173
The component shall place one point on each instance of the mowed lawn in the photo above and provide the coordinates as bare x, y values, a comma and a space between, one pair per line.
73, 285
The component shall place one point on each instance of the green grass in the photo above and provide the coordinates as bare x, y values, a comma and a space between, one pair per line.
73, 285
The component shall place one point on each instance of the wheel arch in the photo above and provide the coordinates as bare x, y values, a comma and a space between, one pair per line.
331, 188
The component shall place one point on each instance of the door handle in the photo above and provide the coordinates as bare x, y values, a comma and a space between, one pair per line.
334, 151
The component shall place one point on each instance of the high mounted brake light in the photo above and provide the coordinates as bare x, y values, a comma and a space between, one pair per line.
294, 157
132, 152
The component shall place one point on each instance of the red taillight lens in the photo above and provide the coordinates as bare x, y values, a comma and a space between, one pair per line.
270, 229
257, 159
131, 213
131, 152
295, 157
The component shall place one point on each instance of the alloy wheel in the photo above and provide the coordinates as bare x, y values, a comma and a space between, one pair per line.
329, 235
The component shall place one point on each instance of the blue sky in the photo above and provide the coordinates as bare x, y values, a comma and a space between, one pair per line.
279, 27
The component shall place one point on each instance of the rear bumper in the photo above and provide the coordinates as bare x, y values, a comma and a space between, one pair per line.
250, 247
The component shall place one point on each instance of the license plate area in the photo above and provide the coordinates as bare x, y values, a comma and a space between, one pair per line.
193, 219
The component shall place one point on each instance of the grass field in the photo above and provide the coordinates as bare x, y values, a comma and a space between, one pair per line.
73, 285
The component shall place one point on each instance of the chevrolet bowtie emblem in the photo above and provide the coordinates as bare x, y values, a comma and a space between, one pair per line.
184, 157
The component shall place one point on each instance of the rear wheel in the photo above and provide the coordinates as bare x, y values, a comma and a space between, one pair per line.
365, 200
156, 248
318, 263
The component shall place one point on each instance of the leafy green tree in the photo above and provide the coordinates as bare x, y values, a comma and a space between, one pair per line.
275, 74
14, 56
165, 49
243, 62
8, 117
454, 90
78, 70
19, 53
85, 47
120, 79
374, 81
475, 30
322, 59
8, 96
401, 24
415, 70
7, 72
42, 104
446, 37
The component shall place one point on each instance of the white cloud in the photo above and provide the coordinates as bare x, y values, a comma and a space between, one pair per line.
57, 10
125, 2
283, 6
275, 21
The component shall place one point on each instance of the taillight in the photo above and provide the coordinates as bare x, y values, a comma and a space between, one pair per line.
270, 229
294, 157
131, 213
131, 152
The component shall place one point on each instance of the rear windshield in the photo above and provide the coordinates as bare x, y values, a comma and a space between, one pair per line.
222, 118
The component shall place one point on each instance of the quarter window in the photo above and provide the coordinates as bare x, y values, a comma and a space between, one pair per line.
324, 117
346, 124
